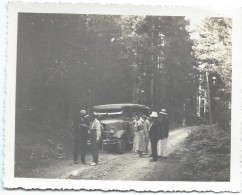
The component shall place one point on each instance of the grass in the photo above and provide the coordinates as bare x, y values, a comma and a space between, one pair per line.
205, 155
40, 144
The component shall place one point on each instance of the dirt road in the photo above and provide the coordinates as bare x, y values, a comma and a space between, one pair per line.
127, 166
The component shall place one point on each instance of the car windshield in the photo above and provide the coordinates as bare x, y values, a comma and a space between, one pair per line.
109, 113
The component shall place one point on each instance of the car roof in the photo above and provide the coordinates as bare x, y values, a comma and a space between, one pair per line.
118, 106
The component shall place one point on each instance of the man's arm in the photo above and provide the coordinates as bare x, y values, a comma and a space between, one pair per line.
98, 129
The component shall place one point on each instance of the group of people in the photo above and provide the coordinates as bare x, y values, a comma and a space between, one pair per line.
150, 134
86, 125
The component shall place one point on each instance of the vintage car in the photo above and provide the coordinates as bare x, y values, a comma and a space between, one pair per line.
116, 120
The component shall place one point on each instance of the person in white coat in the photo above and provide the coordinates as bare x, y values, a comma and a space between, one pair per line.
138, 144
162, 144
146, 126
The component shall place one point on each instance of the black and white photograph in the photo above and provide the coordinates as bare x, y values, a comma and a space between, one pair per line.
122, 97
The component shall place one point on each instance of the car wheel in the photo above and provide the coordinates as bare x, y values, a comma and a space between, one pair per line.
121, 145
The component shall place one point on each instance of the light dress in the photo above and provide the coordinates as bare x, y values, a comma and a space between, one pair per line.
138, 144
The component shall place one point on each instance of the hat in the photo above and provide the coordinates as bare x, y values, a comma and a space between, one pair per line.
83, 112
163, 111
154, 115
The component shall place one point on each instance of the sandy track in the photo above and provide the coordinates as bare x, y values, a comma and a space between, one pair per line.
129, 166
112, 166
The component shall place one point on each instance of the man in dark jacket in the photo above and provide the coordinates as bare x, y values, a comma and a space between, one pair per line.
80, 126
155, 134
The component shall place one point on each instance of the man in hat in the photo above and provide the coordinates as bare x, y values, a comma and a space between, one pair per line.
95, 136
162, 146
155, 134
80, 126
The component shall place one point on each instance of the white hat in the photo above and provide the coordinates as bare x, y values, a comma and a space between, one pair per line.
163, 111
83, 112
154, 115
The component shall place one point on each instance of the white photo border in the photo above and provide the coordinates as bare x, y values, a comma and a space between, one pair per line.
79, 8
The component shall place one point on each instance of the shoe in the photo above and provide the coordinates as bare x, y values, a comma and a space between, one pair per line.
83, 162
153, 160
75, 162
93, 164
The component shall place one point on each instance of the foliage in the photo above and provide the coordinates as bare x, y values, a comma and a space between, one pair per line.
166, 56
213, 49
213, 52
179, 75
208, 151
68, 62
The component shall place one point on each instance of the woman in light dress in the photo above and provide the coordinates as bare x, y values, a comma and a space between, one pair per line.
138, 145
146, 127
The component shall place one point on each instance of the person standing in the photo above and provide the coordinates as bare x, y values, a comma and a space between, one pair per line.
138, 135
146, 127
80, 126
155, 134
95, 136
162, 146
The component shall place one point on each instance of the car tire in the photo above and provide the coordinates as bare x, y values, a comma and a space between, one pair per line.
121, 145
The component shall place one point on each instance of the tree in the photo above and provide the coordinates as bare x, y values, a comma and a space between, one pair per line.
213, 52
160, 51
67, 62
179, 77
76, 61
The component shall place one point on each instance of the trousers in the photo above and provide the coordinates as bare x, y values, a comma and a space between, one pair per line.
153, 141
162, 147
80, 146
94, 145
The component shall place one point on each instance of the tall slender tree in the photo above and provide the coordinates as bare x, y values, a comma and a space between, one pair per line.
213, 51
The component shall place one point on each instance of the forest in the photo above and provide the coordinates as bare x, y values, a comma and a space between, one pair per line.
68, 62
